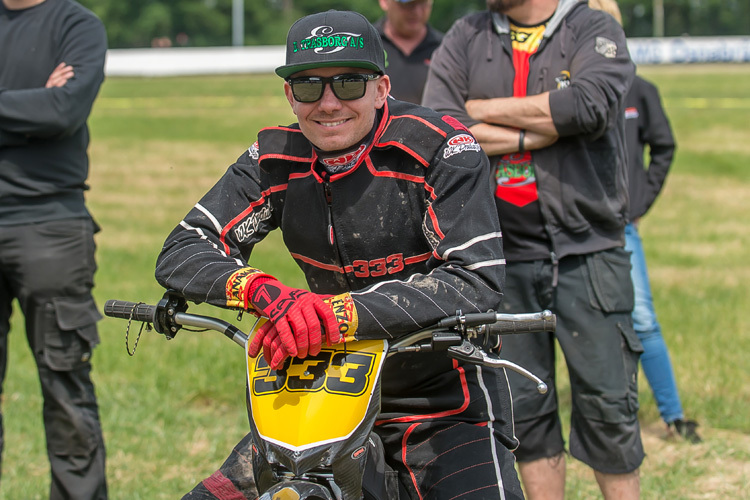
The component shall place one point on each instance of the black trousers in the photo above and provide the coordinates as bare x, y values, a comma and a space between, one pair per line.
49, 267
444, 459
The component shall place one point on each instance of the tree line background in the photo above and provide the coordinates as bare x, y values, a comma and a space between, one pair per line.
202, 23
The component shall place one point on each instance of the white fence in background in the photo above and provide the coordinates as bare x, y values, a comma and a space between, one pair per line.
264, 59
680, 50
193, 61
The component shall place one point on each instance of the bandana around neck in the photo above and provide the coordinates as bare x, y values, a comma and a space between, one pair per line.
335, 162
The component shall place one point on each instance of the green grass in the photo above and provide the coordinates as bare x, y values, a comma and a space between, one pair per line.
173, 411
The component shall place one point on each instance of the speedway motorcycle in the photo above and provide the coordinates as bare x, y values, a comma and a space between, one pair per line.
309, 460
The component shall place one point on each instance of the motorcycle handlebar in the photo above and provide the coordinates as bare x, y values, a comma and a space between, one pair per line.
524, 323
503, 323
169, 315
452, 334
137, 311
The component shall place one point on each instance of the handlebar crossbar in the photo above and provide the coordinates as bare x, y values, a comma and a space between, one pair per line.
452, 335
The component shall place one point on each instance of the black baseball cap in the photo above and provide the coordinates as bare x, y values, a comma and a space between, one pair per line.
333, 38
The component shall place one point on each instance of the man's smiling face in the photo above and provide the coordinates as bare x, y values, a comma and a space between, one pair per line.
332, 124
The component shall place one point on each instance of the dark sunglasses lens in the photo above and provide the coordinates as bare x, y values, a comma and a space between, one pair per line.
307, 90
349, 88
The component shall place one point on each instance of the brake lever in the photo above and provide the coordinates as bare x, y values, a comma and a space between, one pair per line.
470, 353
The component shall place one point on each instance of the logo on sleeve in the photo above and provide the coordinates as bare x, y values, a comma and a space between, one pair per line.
248, 227
459, 144
606, 47
563, 81
253, 151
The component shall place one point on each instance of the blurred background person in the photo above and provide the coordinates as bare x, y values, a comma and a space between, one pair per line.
646, 124
409, 42
52, 54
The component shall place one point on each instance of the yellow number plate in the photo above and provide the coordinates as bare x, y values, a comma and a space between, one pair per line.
316, 400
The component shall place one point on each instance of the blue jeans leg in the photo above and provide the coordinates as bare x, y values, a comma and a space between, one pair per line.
655, 359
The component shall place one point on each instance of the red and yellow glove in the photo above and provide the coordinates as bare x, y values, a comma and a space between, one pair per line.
274, 349
295, 316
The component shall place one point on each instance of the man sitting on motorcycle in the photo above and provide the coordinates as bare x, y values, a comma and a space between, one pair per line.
387, 209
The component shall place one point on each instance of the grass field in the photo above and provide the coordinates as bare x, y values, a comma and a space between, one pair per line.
173, 411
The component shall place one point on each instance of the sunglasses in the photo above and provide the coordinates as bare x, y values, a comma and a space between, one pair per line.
345, 87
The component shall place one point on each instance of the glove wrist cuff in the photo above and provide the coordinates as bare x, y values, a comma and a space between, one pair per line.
345, 311
240, 285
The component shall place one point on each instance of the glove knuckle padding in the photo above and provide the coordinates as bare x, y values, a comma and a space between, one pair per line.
298, 318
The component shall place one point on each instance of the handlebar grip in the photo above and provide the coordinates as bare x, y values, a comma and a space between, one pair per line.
130, 310
527, 326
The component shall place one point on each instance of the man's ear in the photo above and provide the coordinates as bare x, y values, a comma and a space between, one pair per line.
383, 89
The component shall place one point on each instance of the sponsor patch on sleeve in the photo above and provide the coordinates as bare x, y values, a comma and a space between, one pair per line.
250, 225
253, 151
606, 47
460, 143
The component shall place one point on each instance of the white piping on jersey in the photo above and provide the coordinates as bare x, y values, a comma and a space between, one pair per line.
203, 236
195, 275
375, 287
486, 263
222, 278
402, 309
185, 261
382, 327
405, 283
476, 239
210, 216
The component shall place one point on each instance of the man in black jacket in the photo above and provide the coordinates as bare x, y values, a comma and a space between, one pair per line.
386, 208
541, 84
52, 55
